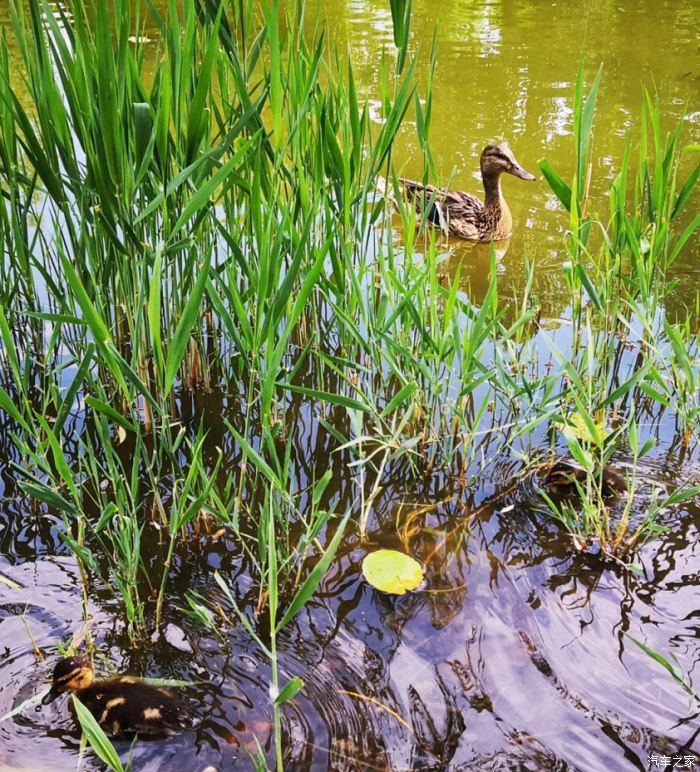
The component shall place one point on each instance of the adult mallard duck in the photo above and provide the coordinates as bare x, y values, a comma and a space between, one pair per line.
123, 704
464, 216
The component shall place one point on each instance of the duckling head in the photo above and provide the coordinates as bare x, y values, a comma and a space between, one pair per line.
71, 674
497, 159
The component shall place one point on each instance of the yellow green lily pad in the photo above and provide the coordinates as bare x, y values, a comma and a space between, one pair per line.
392, 571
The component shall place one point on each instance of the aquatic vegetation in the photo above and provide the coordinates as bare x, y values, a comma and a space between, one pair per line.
392, 571
602, 318
679, 677
197, 266
96, 737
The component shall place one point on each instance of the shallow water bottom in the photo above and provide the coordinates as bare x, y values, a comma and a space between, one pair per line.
513, 655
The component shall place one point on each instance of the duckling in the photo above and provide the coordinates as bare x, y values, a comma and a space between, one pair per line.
464, 216
123, 704
562, 477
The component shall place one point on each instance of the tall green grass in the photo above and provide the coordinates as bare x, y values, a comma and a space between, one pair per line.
213, 223
618, 276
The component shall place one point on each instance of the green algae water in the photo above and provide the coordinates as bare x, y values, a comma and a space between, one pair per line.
506, 71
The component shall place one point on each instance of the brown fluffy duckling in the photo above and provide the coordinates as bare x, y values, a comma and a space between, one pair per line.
562, 477
463, 215
123, 704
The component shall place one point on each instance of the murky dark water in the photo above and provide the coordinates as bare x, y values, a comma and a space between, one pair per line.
514, 655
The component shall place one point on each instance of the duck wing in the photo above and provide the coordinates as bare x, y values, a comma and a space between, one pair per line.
445, 208
124, 705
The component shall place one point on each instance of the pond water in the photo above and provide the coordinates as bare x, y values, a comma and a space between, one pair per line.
506, 71
515, 654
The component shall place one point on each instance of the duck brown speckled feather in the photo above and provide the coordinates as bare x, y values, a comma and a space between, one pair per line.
463, 215
122, 705
565, 478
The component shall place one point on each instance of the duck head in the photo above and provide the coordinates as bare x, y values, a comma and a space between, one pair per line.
497, 159
71, 674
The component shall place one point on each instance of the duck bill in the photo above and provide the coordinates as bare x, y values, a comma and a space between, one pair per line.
518, 171
50, 696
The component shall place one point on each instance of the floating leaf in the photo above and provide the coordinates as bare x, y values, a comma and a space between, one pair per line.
392, 571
